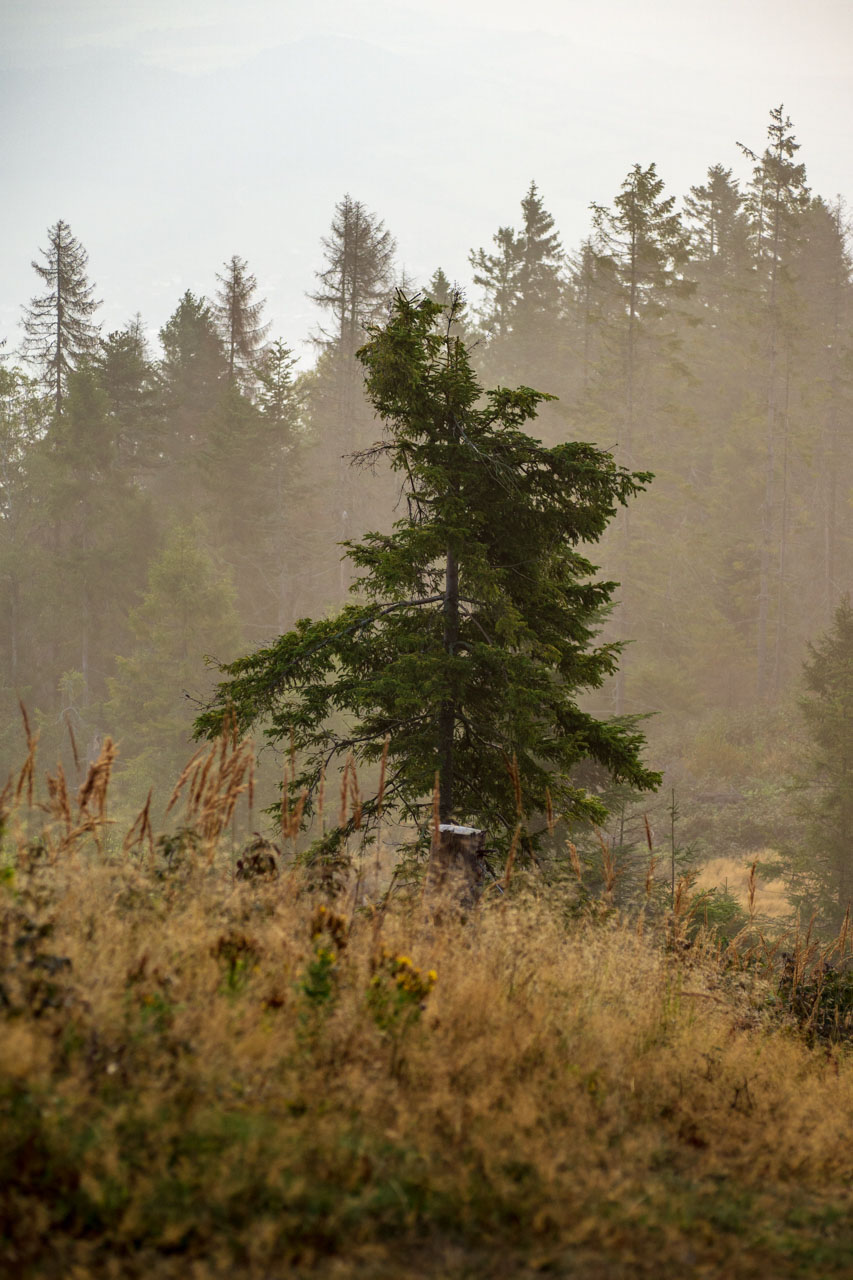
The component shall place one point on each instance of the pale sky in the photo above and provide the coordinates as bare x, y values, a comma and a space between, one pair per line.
172, 134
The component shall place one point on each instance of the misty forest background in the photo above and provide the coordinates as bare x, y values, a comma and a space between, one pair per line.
161, 504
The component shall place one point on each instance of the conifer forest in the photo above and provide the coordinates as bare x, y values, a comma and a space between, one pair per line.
168, 507
560, 552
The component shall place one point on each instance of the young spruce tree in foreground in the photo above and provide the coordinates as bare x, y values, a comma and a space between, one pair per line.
471, 631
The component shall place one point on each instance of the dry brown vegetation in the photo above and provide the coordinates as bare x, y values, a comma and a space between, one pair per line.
209, 1074
732, 875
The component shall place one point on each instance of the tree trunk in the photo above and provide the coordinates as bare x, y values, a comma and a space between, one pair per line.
832, 457
447, 714
769, 504
457, 865
783, 543
13, 631
627, 458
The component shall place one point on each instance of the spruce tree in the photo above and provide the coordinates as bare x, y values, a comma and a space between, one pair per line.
238, 316
591, 291
822, 868
99, 534
277, 394
439, 289
58, 329
497, 274
357, 280
715, 482
187, 611
523, 306
719, 231
824, 267
288, 538
644, 248
643, 239
25, 609
777, 198
354, 288
444, 291
538, 349
539, 280
471, 630
128, 376
192, 375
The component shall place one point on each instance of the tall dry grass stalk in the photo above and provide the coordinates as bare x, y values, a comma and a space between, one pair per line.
73, 741
550, 819
610, 870
345, 790
574, 858
513, 850
383, 765
26, 777
515, 778
750, 890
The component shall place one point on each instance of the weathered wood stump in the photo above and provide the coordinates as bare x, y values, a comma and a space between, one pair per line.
456, 870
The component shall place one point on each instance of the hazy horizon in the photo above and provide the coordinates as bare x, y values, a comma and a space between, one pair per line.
170, 140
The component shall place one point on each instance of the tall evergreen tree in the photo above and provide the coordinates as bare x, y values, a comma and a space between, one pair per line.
247, 475
719, 231
824, 266
354, 287
99, 535
522, 282
127, 374
278, 396
591, 286
523, 305
188, 611
471, 632
356, 282
192, 373
444, 291
440, 289
539, 282
643, 238
644, 247
777, 198
497, 274
22, 556
290, 538
821, 867
58, 329
538, 348
715, 403
238, 315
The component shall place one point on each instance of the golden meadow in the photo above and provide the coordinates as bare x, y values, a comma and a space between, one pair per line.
220, 1059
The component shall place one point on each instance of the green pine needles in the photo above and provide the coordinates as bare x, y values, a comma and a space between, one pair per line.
471, 631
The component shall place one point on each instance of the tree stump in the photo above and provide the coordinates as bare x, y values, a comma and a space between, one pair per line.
456, 870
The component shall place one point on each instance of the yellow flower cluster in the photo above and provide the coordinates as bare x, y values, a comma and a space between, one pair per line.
411, 979
329, 922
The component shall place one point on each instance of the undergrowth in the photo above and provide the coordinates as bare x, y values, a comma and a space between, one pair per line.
219, 1062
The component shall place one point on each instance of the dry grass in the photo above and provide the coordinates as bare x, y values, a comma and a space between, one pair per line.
207, 1077
733, 874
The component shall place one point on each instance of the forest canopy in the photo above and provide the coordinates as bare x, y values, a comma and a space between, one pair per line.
163, 502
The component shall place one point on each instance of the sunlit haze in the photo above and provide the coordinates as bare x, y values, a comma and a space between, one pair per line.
171, 136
